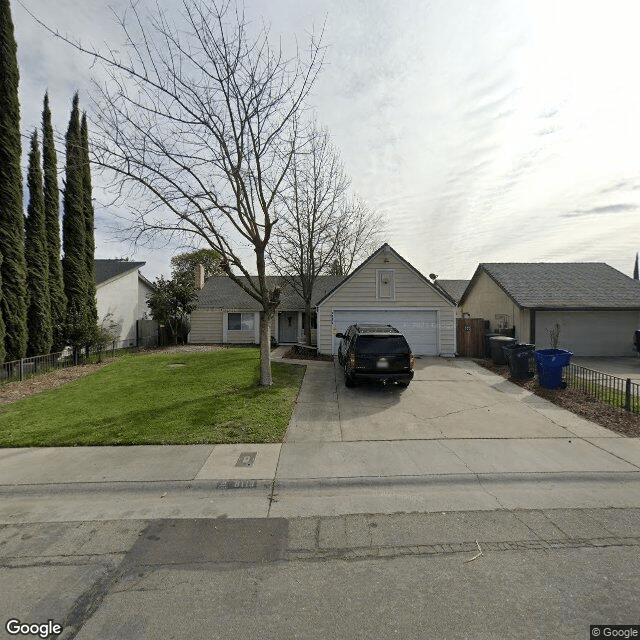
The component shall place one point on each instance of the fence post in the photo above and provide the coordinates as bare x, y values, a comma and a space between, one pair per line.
21, 370
627, 395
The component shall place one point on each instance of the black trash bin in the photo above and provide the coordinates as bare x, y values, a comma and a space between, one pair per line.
487, 344
520, 364
508, 349
497, 342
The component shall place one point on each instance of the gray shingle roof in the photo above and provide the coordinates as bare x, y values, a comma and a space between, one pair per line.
564, 285
107, 269
220, 292
455, 288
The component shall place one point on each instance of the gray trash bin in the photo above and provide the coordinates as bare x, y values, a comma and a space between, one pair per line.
497, 342
487, 344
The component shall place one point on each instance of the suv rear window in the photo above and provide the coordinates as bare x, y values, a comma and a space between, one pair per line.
371, 345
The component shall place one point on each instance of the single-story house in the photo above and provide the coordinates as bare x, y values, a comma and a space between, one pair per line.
121, 292
228, 314
596, 307
385, 288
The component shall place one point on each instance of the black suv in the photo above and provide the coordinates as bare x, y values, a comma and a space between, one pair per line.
375, 352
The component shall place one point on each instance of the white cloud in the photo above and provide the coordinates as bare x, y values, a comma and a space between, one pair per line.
477, 127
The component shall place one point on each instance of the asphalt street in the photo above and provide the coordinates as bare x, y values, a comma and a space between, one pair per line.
461, 507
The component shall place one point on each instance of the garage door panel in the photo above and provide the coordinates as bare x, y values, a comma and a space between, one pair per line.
419, 327
589, 333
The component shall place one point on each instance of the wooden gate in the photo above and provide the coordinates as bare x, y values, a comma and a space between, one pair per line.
470, 337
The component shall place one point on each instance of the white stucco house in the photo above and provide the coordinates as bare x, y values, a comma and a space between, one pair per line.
121, 292
596, 307
384, 288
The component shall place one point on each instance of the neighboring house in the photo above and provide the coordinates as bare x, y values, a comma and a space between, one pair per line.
121, 292
385, 288
596, 307
226, 314
454, 288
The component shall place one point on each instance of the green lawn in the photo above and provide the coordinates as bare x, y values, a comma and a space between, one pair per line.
178, 398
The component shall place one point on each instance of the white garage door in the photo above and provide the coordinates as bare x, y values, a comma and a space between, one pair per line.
589, 333
419, 327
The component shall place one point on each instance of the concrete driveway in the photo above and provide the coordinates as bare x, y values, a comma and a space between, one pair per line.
621, 367
447, 399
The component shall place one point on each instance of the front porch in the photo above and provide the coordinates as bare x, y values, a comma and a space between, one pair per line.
289, 327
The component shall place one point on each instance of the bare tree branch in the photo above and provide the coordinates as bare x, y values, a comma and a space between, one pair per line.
197, 123
320, 227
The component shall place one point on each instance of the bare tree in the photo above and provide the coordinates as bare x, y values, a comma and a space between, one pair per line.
358, 235
305, 240
198, 120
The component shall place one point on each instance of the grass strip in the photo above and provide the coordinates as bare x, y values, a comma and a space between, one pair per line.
177, 398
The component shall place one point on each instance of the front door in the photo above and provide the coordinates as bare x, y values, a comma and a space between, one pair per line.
288, 326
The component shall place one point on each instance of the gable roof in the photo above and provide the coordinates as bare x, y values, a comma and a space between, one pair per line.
562, 285
107, 269
387, 247
455, 288
221, 292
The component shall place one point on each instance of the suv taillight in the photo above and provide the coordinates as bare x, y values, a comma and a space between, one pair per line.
352, 360
412, 360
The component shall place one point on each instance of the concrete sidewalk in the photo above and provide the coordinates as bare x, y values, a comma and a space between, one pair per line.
347, 451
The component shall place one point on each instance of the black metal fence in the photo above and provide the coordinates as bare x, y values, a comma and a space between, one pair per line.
35, 365
618, 392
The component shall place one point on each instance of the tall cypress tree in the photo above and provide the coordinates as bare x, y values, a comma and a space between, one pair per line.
52, 226
2, 331
12, 271
35, 250
89, 240
74, 269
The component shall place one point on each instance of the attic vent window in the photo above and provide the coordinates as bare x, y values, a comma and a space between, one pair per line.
385, 284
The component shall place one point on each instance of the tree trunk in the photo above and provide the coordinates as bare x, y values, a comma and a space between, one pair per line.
307, 321
265, 348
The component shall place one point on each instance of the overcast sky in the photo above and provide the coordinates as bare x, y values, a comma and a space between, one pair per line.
490, 131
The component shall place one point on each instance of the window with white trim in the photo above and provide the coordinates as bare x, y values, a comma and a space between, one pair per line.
240, 322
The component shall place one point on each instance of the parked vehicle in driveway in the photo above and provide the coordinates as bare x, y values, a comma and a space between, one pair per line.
375, 352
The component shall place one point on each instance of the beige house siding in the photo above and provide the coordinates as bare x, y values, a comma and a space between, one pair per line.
206, 326
488, 301
406, 291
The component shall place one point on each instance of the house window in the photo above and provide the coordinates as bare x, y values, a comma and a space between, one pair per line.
240, 321
385, 284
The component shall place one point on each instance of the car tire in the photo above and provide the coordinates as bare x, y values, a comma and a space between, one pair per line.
403, 384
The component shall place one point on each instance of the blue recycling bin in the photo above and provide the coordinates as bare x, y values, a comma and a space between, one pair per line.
550, 363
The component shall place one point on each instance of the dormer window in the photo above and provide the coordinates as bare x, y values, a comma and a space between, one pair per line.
385, 285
